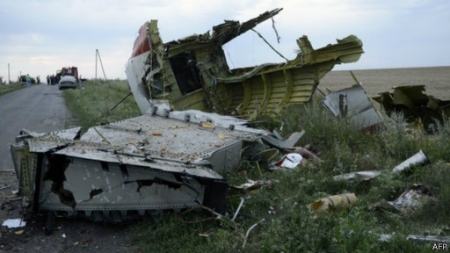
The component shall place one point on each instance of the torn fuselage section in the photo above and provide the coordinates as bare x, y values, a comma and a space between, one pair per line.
192, 72
140, 165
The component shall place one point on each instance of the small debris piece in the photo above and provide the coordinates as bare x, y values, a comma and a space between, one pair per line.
418, 158
238, 209
410, 200
249, 230
290, 161
222, 136
420, 238
353, 104
360, 175
254, 185
429, 238
157, 133
333, 203
208, 125
14, 223
19, 232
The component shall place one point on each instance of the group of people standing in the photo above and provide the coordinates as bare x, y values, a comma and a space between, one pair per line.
52, 79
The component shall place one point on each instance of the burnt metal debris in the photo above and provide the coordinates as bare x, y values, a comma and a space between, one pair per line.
415, 105
176, 154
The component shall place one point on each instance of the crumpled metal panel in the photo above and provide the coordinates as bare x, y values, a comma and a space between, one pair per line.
415, 105
107, 187
352, 103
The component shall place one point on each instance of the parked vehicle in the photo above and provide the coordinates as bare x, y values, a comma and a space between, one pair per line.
67, 81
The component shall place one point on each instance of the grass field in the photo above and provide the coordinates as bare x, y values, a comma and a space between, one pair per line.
436, 80
276, 218
10, 88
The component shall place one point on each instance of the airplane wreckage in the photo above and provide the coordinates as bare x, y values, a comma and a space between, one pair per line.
194, 128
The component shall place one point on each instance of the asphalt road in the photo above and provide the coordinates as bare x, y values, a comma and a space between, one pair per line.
39, 108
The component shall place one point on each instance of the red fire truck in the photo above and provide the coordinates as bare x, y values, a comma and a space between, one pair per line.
72, 71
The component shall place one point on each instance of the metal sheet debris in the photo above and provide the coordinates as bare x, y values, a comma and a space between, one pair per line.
415, 105
360, 175
353, 104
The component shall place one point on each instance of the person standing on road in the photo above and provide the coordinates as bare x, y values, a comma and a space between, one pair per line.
80, 83
28, 80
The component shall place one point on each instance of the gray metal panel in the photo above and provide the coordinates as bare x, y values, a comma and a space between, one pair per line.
118, 192
360, 111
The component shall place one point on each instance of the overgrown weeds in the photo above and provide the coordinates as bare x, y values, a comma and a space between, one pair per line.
276, 218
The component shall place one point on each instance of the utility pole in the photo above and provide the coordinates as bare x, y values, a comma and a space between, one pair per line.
9, 79
97, 56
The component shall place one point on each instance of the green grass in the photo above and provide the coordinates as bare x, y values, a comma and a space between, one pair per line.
92, 104
292, 227
10, 88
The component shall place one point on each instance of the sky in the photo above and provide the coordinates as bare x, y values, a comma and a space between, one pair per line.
38, 37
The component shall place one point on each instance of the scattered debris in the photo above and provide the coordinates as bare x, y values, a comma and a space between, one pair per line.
414, 104
289, 161
418, 159
360, 175
251, 185
333, 203
410, 200
14, 223
249, 230
238, 209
